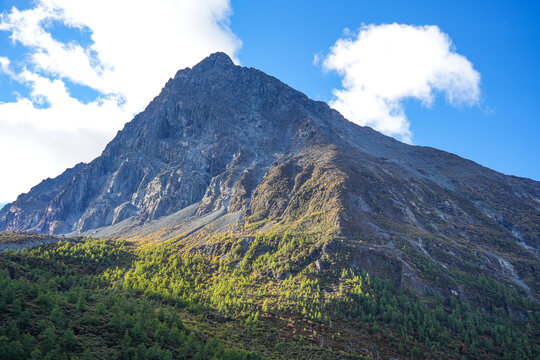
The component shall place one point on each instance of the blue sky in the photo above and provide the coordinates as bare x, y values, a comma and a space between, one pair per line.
66, 86
501, 39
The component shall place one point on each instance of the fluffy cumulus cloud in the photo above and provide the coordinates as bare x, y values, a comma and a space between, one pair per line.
383, 65
133, 48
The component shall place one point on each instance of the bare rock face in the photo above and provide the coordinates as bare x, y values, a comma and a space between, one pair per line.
208, 137
233, 139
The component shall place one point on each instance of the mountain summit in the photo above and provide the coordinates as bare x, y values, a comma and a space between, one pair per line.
211, 124
229, 149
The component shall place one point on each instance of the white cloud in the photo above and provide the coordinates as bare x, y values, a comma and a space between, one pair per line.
4, 65
316, 59
136, 46
385, 64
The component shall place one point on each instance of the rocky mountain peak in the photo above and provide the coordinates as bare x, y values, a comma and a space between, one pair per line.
209, 137
216, 60
216, 64
224, 146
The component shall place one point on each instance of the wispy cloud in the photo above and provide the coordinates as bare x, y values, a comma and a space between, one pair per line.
133, 50
383, 65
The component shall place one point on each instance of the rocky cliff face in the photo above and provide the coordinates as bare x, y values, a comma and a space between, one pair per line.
223, 139
212, 127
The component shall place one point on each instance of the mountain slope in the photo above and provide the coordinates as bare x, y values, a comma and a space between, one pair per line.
230, 140
231, 164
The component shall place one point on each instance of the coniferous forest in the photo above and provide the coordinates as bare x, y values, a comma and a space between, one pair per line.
106, 299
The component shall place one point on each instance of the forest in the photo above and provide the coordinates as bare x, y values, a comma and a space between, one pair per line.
106, 299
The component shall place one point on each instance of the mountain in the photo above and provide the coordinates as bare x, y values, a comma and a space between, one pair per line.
232, 164
223, 141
